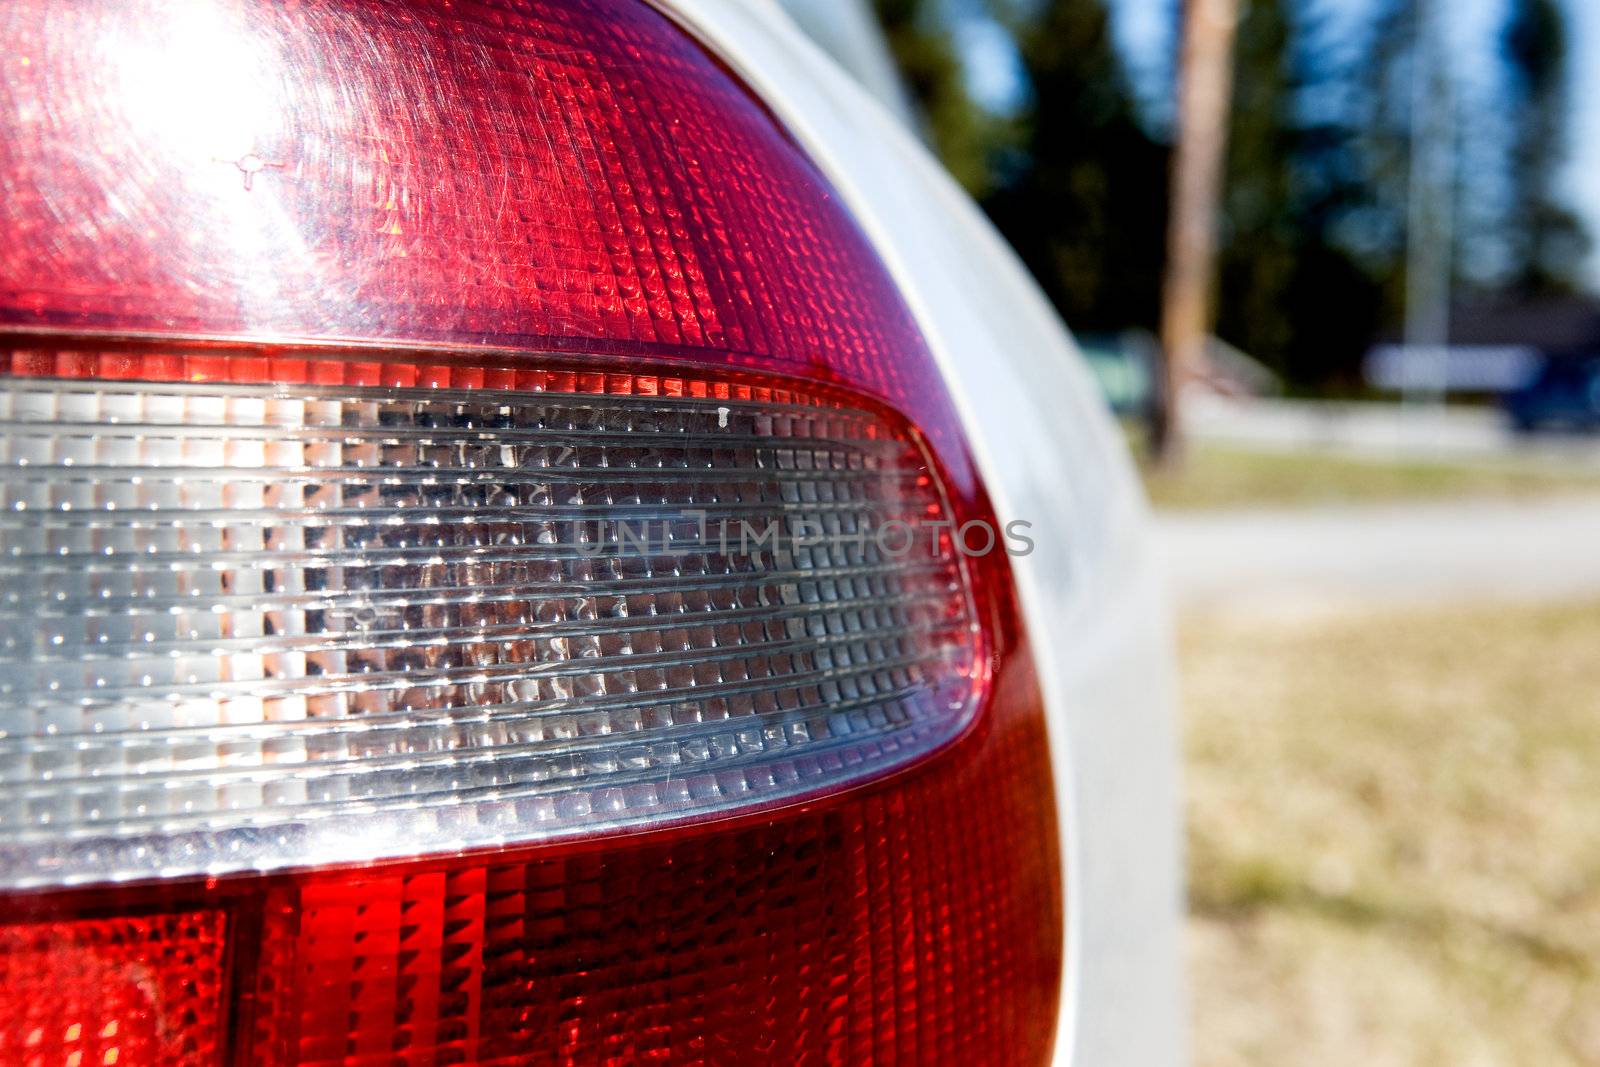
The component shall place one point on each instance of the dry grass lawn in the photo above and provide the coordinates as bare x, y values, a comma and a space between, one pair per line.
1395, 837
1220, 476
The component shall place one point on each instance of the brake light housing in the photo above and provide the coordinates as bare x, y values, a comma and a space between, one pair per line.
450, 612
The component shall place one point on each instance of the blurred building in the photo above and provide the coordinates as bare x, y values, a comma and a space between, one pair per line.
1495, 347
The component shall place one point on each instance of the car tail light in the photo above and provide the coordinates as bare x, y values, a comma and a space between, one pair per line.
485, 571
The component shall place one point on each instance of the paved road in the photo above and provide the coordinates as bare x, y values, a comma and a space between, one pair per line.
1436, 552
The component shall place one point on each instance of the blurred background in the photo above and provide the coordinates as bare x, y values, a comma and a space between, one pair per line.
1334, 264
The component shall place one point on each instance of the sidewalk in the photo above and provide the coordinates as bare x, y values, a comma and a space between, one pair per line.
1435, 552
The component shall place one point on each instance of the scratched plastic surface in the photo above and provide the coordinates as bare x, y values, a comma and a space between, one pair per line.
910, 922
572, 175
271, 626
126, 991
303, 195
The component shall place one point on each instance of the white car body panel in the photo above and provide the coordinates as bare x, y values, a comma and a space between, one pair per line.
1051, 455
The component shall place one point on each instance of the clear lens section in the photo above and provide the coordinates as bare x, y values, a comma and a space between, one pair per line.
246, 627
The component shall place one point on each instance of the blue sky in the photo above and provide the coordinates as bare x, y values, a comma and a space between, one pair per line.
1144, 29
1144, 32
1583, 178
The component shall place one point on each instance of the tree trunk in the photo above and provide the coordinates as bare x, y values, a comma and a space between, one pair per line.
1205, 90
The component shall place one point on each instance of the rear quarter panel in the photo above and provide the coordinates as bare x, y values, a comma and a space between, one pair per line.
1052, 456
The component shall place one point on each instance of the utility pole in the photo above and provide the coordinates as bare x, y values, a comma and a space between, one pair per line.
1430, 226
1205, 94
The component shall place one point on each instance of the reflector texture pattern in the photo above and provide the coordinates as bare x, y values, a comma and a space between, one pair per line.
141, 989
272, 624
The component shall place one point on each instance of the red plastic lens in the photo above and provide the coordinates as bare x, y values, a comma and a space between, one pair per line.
133, 989
426, 219
571, 176
915, 922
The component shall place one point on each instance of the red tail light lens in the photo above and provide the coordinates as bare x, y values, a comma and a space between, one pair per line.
447, 615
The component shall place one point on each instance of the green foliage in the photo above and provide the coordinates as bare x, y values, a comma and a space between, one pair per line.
1261, 235
1381, 128
1290, 293
1085, 201
1549, 241
1313, 227
965, 136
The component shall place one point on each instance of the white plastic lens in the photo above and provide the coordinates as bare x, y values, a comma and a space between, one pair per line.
249, 627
